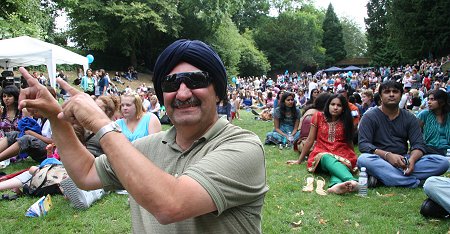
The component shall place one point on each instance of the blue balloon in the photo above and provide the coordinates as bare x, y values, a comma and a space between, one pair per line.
90, 58
233, 80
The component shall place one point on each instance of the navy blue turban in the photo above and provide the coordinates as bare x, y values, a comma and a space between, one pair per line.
195, 53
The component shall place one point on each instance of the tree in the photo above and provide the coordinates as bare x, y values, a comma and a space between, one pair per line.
291, 40
288, 5
253, 61
333, 39
248, 14
238, 53
227, 41
202, 18
122, 26
24, 17
379, 45
354, 39
420, 28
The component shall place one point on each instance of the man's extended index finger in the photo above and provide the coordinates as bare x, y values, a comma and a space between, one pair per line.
30, 80
67, 87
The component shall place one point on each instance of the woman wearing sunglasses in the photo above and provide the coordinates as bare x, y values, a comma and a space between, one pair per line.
136, 123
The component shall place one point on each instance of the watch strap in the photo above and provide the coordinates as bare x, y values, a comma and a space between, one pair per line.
111, 127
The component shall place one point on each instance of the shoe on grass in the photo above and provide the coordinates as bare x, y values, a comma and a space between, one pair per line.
431, 209
254, 112
78, 198
372, 182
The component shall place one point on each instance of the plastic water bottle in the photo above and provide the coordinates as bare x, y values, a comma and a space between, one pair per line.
290, 139
5, 163
363, 182
284, 143
448, 158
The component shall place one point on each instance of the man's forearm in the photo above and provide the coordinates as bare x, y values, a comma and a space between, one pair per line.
77, 160
167, 197
415, 155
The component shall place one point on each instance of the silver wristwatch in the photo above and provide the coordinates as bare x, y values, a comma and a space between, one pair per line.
111, 127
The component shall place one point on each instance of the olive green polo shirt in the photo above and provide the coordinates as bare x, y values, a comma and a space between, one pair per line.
227, 161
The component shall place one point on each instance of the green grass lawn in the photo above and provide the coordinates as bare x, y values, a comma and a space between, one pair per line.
385, 210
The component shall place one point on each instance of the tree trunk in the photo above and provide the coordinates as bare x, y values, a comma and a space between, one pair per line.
133, 59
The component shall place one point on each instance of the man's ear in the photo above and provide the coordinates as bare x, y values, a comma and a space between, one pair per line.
217, 99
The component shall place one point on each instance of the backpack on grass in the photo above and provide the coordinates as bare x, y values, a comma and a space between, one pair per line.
46, 181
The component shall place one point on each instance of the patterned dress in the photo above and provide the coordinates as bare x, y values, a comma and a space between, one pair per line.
7, 125
330, 139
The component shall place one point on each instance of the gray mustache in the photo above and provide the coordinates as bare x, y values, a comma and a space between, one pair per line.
193, 101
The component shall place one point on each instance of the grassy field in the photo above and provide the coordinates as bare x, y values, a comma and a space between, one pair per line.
385, 210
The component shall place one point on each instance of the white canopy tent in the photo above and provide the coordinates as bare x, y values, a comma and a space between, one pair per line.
27, 51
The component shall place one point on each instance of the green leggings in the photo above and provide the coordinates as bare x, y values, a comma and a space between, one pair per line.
338, 171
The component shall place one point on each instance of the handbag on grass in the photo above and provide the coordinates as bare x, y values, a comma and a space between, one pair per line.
46, 181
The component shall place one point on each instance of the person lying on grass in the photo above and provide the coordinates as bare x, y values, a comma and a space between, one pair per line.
333, 153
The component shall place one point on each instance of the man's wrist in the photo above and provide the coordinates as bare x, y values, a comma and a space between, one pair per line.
101, 124
386, 154
111, 127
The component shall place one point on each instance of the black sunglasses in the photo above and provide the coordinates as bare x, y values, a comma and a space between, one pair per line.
193, 80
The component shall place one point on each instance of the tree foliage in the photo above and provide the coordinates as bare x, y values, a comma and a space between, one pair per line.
288, 5
377, 32
25, 17
291, 40
239, 53
253, 61
401, 31
120, 25
420, 28
354, 39
202, 18
227, 41
333, 39
249, 13
126, 32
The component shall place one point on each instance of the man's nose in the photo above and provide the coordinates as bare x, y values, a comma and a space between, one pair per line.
183, 92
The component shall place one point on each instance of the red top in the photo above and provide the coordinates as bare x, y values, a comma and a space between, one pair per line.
427, 82
330, 139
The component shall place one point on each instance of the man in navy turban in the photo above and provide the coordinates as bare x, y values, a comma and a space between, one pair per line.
203, 175
195, 53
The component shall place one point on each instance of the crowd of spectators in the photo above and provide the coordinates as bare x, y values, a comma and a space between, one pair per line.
321, 115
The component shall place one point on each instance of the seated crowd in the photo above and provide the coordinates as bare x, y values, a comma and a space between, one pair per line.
27, 134
397, 117
399, 121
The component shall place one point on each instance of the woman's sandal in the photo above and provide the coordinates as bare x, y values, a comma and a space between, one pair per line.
320, 184
309, 187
